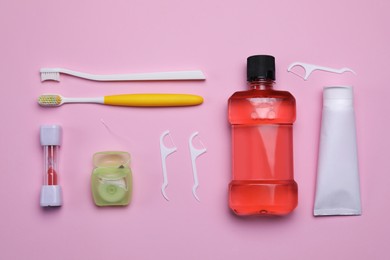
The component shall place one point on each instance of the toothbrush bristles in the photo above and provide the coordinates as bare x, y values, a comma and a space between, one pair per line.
50, 76
49, 100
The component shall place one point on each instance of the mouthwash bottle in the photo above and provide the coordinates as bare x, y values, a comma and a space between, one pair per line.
261, 121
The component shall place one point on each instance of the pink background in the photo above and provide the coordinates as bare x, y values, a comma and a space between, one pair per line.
216, 37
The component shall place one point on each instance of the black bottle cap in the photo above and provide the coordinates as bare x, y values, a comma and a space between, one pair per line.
260, 67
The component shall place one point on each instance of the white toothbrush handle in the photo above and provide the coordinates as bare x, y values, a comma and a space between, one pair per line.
173, 75
96, 100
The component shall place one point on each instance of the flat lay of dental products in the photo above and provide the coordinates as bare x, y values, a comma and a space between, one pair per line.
261, 120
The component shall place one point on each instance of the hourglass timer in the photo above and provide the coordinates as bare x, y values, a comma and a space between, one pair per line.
51, 193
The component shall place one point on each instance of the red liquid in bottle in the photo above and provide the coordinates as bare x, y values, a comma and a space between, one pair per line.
262, 151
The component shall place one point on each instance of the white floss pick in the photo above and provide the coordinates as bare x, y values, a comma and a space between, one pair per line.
309, 68
165, 152
195, 153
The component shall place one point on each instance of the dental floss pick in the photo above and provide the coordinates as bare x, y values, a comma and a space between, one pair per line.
165, 151
195, 153
309, 68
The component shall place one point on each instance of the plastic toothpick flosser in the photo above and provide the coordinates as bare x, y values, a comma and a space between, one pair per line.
309, 68
194, 154
165, 151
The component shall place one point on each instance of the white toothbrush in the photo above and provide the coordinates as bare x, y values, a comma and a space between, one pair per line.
54, 74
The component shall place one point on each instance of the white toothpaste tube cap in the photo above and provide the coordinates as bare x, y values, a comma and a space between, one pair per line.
338, 92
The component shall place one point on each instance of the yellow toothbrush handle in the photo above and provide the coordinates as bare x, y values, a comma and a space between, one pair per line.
153, 100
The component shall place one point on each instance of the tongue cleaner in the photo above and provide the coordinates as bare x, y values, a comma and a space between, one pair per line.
309, 68
195, 153
165, 151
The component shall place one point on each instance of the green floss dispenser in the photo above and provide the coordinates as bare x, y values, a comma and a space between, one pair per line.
111, 178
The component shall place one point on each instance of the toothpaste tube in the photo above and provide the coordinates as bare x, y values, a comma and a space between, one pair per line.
338, 185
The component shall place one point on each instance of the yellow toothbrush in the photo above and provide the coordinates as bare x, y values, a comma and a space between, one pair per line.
130, 100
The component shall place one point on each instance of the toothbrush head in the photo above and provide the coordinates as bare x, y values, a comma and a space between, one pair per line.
50, 74
50, 100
